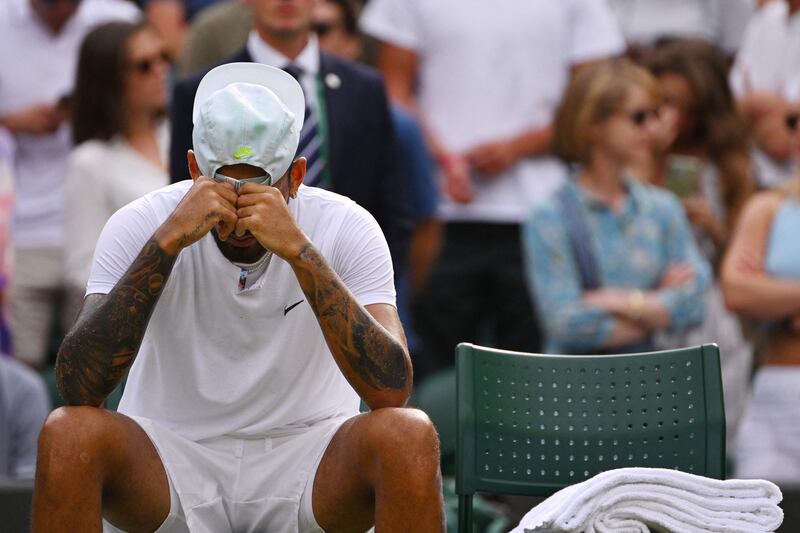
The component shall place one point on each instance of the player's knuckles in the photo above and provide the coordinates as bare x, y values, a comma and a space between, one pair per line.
220, 211
203, 183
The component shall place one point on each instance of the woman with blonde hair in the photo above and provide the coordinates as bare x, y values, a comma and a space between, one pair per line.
611, 259
761, 279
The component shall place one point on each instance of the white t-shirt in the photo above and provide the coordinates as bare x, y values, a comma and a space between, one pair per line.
216, 360
101, 178
37, 67
493, 70
717, 21
769, 59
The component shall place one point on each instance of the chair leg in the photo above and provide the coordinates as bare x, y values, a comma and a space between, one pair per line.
465, 513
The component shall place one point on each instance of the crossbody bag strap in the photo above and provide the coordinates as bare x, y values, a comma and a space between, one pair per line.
579, 238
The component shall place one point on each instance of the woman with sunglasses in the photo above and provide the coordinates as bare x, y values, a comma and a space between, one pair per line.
761, 279
118, 127
611, 259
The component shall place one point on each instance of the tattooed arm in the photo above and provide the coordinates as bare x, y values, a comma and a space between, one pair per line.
367, 342
101, 346
103, 343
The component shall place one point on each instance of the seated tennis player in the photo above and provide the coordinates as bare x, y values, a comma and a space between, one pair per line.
254, 313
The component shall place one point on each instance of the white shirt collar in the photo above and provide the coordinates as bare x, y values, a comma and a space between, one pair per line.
261, 52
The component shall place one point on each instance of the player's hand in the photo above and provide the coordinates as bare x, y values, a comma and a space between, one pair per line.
262, 210
207, 204
35, 120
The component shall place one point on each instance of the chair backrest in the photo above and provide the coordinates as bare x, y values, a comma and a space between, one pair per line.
532, 424
436, 395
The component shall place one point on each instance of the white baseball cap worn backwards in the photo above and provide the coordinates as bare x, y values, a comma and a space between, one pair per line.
247, 113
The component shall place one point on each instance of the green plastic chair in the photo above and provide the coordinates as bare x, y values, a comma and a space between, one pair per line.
436, 395
532, 424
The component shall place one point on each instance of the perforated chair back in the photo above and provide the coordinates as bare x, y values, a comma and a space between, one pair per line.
532, 424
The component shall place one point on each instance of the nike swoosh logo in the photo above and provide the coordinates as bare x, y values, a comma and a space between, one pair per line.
242, 152
289, 308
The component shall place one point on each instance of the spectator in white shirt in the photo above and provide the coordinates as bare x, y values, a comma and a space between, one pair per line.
39, 41
766, 81
119, 105
719, 22
485, 80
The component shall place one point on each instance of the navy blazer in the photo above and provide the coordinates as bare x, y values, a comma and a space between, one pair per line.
362, 152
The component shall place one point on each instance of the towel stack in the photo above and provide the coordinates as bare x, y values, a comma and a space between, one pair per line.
634, 500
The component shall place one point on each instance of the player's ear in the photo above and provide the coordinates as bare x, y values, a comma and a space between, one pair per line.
297, 173
194, 168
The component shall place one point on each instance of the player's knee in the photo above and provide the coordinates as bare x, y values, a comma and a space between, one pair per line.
71, 430
409, 431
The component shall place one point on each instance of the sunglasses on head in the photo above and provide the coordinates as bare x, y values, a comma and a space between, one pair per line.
791, 121
639, 117
146, 65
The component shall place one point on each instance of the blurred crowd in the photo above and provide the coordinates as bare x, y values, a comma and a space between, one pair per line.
563, 176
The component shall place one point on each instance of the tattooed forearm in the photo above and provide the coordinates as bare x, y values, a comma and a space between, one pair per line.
363, 348
197, 232
104, 341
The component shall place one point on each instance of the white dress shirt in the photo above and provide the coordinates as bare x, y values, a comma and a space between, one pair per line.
307, 60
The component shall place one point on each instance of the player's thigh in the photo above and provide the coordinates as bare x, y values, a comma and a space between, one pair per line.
342, 497
368, 458
135, 489
138, 496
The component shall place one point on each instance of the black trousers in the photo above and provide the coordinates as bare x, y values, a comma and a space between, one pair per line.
476, 293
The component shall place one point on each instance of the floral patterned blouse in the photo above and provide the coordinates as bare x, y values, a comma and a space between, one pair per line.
632, 249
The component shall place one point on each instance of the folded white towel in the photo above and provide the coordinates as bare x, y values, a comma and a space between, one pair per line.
633, 500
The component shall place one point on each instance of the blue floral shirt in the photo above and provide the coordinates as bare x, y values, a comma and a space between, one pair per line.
632, 249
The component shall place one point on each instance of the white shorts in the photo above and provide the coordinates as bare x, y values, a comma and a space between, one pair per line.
769, 436
226, 485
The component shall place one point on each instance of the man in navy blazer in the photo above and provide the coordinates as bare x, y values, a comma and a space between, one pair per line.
349, 100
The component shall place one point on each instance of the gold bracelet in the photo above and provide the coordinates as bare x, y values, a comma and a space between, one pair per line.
636, 304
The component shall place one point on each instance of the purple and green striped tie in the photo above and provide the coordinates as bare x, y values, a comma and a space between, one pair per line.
310, 145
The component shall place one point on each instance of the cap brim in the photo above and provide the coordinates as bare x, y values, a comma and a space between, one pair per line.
278, 81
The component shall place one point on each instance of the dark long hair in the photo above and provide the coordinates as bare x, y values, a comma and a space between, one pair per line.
718, 127
97, 101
